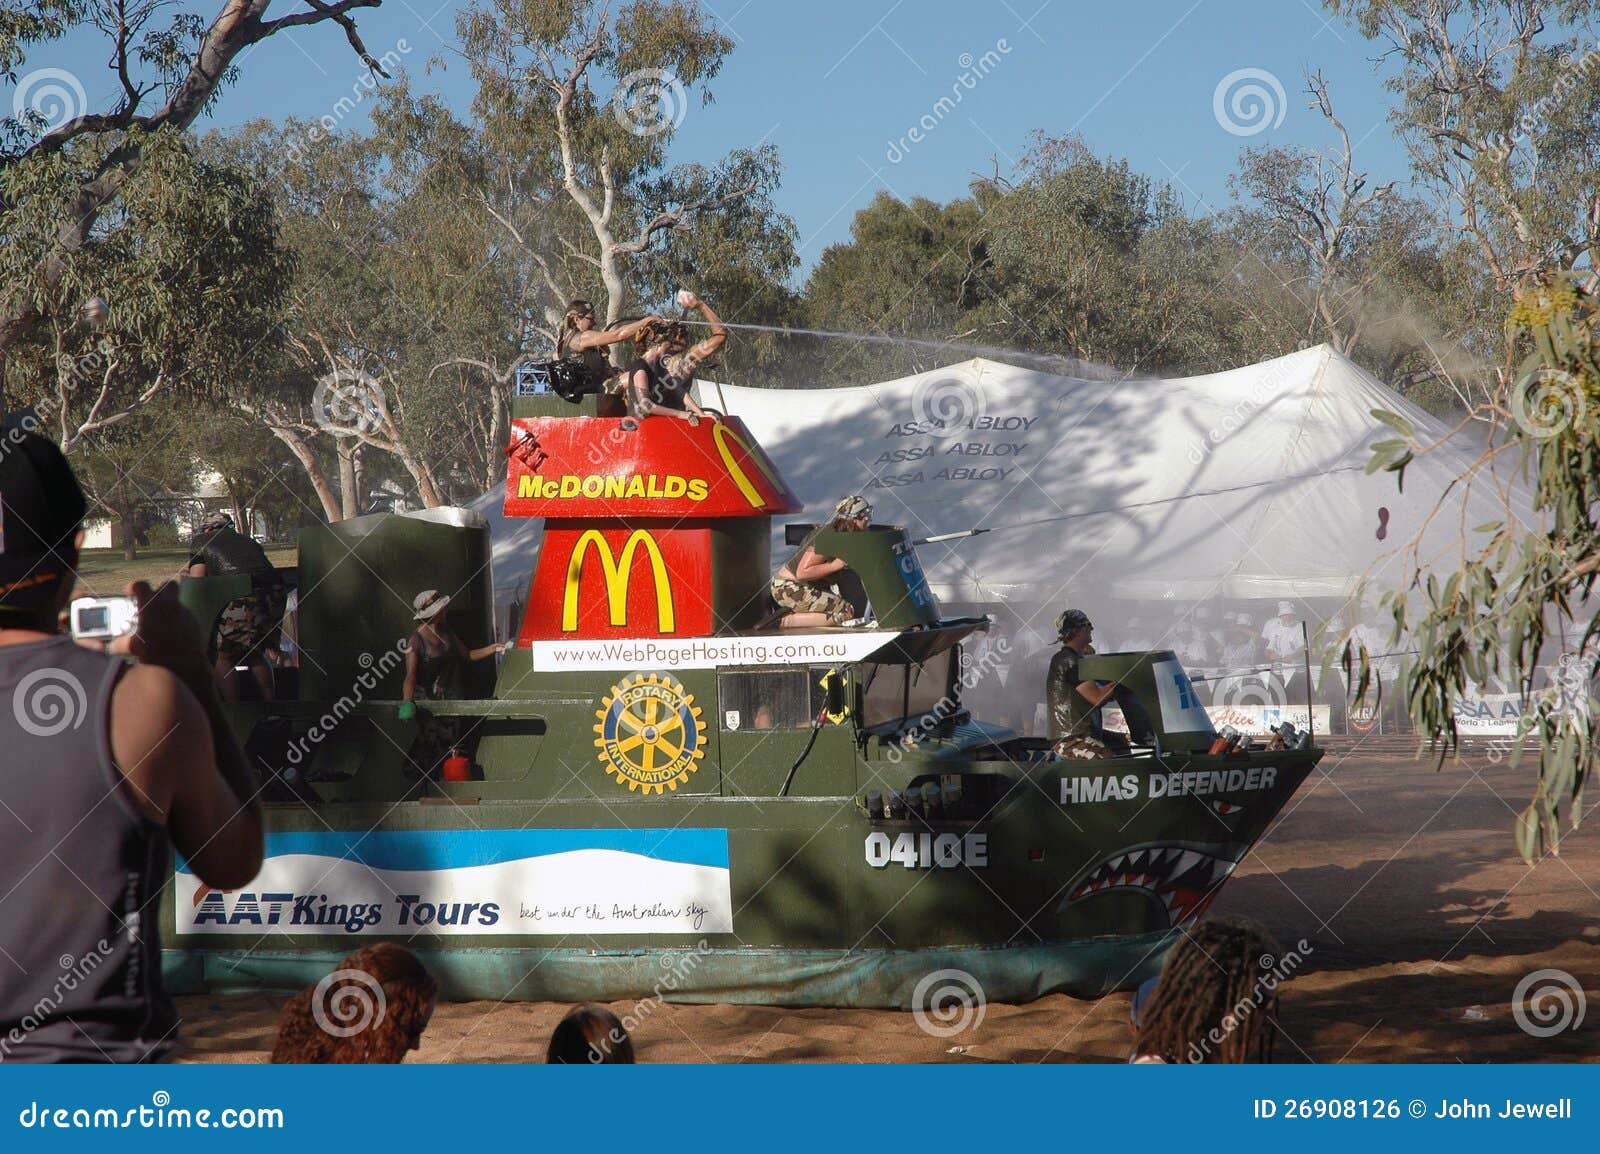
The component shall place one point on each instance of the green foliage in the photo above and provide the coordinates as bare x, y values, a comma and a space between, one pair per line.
188, 261
1500, 111
1492, 618
257, 471
34, 22
911, 270
1080, 256
133, 471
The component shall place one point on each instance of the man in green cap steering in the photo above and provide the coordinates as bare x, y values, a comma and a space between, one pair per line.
1074, 703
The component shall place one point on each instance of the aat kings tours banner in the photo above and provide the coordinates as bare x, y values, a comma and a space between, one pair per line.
473, 882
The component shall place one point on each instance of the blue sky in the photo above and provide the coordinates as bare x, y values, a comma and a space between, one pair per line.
838, 84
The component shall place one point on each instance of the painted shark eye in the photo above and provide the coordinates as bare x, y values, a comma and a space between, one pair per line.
1225, 808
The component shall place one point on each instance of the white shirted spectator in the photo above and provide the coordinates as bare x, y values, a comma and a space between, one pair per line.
1374, 634
1239, 642
1282, 634
1137, 639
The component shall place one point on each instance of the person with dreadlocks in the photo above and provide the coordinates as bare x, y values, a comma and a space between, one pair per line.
659, 380
579, 340
1216, 1000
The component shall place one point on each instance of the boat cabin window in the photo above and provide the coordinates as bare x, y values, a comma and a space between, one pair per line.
769, 698
909, 691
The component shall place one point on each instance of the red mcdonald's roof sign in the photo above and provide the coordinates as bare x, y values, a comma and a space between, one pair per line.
590, 467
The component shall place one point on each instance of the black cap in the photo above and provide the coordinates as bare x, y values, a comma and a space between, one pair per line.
41, 508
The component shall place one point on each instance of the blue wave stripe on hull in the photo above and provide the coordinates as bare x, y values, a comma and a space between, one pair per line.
455, 849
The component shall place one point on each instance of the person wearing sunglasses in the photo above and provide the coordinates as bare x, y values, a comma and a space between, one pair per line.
582, 341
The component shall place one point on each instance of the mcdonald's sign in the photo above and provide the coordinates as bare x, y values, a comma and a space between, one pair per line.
618, 573
593, 470
722, 433
611, 582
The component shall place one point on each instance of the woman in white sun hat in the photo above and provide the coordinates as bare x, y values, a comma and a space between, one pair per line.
436, 659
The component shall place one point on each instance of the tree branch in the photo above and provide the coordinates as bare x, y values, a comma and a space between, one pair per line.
672, 218
339, 13
237, 26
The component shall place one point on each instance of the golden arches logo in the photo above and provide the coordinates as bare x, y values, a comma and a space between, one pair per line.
721, 434
618, 572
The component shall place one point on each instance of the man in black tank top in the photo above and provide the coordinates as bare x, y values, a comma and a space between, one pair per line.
109, 763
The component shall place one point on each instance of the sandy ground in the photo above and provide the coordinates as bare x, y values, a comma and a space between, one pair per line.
1404, 881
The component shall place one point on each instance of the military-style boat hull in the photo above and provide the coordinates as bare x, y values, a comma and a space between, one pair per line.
669, 797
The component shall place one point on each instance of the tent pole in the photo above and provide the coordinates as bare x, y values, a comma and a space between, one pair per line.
1311, 718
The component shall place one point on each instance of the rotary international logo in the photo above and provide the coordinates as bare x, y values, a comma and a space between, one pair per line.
650, 735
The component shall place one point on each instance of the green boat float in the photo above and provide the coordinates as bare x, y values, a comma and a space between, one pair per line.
658, 792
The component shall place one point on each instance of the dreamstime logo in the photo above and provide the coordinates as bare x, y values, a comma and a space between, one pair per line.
650, 101
1266, 691
86, 366
348, 399
1573, 681
947, 406
372, 675
1249, 101
347, 1002
1575, 72
1548, 1002
75, 972
364, 86
948, 1002
973, 69
1263, 995
1549, 404
51, 95
972, 673
1269, 386
49, 701
680, 966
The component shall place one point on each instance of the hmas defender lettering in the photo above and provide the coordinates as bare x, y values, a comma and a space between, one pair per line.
1198, 783
926, 850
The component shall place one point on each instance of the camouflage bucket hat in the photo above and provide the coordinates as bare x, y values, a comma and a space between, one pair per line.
853, 506
1070, 621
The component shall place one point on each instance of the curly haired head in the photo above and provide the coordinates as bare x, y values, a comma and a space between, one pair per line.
1216, 1000
373, 1008
672, 333
590, 1035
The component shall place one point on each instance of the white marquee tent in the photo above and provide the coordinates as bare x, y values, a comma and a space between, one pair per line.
1233, 486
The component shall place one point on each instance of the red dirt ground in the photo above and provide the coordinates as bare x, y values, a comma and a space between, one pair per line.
1404, 881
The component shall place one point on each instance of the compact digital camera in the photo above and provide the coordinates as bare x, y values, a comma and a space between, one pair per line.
103, 618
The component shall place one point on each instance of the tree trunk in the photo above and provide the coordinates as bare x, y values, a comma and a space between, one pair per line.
128, 510
494, 460
358, 462
427, 486
313, 470
349, 497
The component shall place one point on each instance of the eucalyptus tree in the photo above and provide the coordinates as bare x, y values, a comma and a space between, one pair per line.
169, 65
580, 105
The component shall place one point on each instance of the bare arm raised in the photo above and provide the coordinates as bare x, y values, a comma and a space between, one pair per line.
707, 348
176, 751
